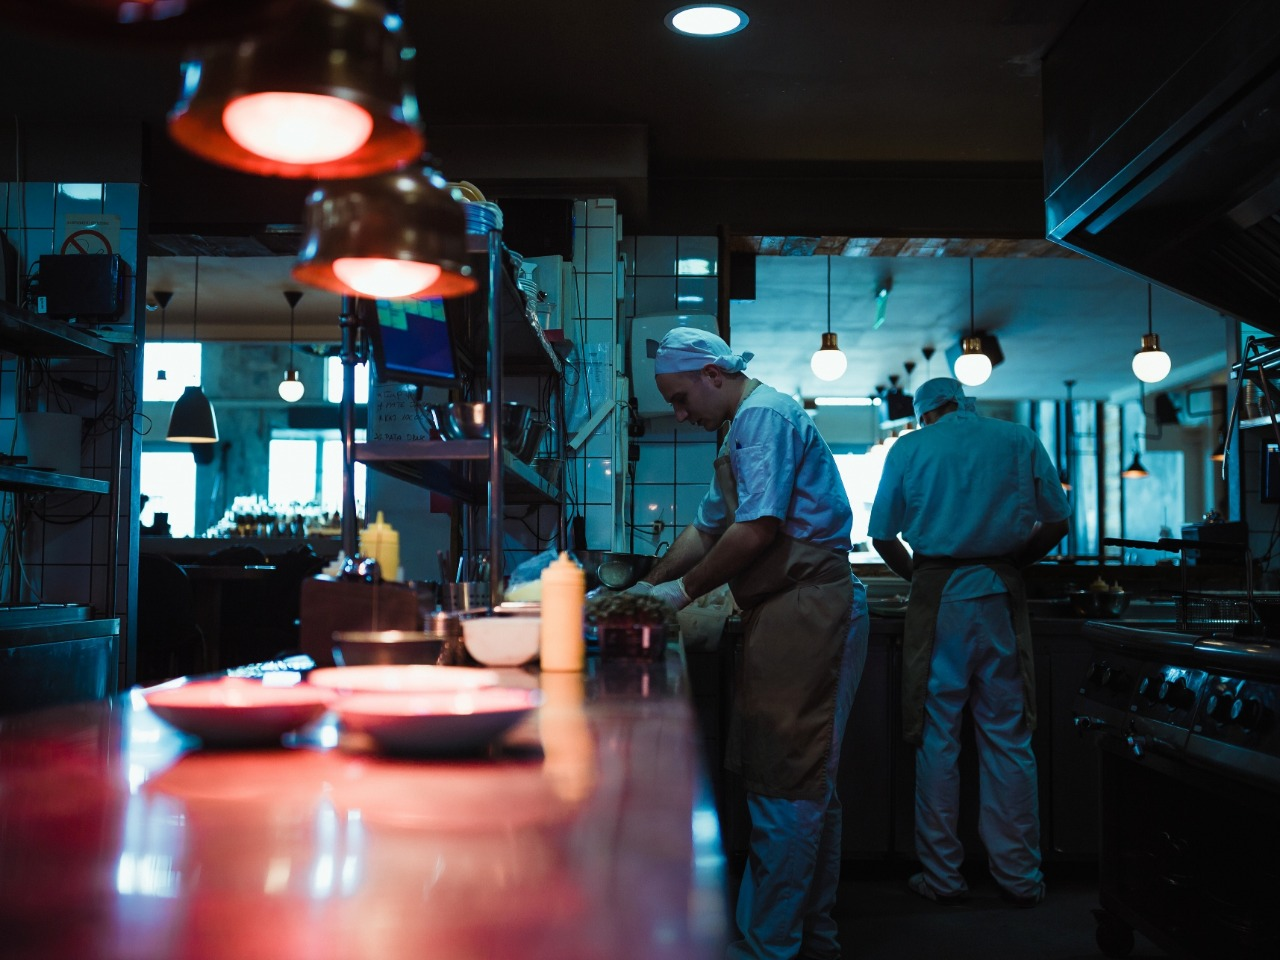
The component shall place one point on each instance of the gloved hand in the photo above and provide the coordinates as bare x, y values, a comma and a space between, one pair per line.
640, 589
673, 594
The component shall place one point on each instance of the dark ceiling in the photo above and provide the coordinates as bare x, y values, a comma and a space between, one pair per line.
816, 112
870, 129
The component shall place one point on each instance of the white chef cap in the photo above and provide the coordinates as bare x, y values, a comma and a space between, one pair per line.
934, 393
684, 349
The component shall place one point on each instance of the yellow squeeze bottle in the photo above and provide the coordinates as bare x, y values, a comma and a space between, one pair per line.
564, 589
381, 541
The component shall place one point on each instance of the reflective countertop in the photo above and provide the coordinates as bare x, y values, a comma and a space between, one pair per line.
589, 831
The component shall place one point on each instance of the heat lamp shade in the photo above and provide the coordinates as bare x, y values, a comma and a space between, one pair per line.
973, 369
192, 419
244, 105
388, 237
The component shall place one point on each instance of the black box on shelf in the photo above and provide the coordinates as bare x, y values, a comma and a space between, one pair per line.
86, 286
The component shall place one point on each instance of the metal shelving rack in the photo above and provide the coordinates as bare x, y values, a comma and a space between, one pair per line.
31, 335
517, 346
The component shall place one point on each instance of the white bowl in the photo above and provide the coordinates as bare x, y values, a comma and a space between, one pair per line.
502, 640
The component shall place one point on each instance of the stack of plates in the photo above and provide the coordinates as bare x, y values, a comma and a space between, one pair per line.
482, 216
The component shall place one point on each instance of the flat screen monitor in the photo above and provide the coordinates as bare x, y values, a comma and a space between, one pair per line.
413, 343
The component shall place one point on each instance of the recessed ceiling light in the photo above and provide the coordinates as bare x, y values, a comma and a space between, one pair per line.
706, 20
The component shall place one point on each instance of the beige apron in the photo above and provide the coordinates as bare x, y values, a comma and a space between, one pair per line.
798, 600
928, 581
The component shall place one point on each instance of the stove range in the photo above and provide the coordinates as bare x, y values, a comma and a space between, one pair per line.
1188, 734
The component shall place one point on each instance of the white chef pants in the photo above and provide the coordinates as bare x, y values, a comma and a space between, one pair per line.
975, 660
793, 867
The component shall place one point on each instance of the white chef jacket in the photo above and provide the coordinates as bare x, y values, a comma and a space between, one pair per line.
1009, 483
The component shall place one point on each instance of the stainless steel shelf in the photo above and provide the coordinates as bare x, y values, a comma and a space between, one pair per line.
28, 480
440, 466
32, 335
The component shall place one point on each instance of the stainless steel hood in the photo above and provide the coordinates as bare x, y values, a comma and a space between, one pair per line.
1162, 147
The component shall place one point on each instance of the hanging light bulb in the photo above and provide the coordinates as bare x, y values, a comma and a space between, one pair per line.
162, 299
972, 367
317, 93
389, 237
1151, 364
828, 361
192, 419
291, 388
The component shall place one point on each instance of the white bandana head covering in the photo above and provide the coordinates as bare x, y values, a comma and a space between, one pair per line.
684, 349
934, 393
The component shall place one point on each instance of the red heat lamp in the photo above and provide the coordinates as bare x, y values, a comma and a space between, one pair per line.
388, 237
319, 93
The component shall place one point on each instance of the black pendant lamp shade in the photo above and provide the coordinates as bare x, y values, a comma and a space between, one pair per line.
291, 388
191, 420
162, 301
1135, 470
388, 237
318, 92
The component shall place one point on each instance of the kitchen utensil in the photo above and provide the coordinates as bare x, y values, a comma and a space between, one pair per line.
470, 421
353, 648
537, 429
618, 571
458, 722
502, 640
237, 711
466, 595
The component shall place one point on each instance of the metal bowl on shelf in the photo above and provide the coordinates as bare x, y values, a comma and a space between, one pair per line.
470, 421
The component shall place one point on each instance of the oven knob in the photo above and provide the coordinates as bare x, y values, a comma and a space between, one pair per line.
1095, 671
1247, 712
1221, 706
1175, 694
1148, 689
1113, 678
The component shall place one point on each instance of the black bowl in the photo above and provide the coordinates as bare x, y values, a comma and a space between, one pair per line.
381, 647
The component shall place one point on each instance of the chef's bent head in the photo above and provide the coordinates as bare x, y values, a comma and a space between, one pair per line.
691, 370
932, 396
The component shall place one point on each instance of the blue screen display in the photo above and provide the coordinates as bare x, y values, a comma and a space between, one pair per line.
414, 343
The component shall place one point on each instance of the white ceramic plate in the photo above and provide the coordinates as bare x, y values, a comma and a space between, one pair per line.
238, 711
461, 721
401, 678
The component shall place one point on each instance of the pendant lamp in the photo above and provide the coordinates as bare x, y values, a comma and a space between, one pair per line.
291, 388
828, 361
191, 420
1151, 364
1135, 470
1220, 451
972, 367
1069, 419
318, 92
162, 300
389, 237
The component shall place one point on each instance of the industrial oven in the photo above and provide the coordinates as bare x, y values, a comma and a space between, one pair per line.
1187, 727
